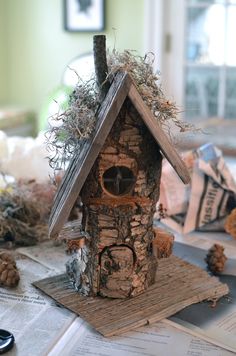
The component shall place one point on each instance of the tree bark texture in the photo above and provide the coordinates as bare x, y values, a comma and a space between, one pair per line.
120, 231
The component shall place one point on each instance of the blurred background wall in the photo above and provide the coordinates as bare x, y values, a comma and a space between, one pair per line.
35, 48
3, 54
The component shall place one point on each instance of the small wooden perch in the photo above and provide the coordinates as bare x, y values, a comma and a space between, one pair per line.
163, 243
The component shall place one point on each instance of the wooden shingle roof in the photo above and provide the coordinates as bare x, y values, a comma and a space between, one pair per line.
82, 162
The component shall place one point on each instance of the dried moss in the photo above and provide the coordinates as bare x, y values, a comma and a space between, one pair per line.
74, 125
77, 123
24, 212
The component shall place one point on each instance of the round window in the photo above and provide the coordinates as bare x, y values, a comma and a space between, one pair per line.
118, 180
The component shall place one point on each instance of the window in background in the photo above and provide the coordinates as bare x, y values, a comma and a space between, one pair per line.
210, 59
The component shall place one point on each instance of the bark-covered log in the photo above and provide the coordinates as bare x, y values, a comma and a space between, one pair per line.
120, 261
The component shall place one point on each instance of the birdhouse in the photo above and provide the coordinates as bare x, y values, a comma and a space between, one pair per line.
117, 175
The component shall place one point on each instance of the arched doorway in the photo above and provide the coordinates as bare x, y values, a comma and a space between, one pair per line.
116, 271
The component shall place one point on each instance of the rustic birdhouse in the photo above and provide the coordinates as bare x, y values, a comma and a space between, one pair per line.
117, 176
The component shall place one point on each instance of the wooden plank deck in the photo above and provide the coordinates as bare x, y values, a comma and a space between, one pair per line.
178, 284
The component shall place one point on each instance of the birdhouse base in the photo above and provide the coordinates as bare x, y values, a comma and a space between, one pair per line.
178, 284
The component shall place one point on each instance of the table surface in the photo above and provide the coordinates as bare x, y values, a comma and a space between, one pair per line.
28, 310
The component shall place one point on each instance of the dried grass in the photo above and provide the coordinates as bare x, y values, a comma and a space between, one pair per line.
77, 123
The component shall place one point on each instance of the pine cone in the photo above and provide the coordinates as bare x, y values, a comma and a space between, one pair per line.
216, 258
9, 275
230, 223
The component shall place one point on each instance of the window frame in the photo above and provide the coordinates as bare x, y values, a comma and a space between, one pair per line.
168, 43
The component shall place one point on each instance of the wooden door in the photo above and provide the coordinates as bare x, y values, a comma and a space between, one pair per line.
116, 271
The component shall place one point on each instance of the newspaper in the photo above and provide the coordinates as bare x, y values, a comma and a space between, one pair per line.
204, 203
214, 324
159, 339
35, 320
52, 256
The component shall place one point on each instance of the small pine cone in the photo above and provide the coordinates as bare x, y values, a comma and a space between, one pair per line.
216, 258
230, 223
9, 275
